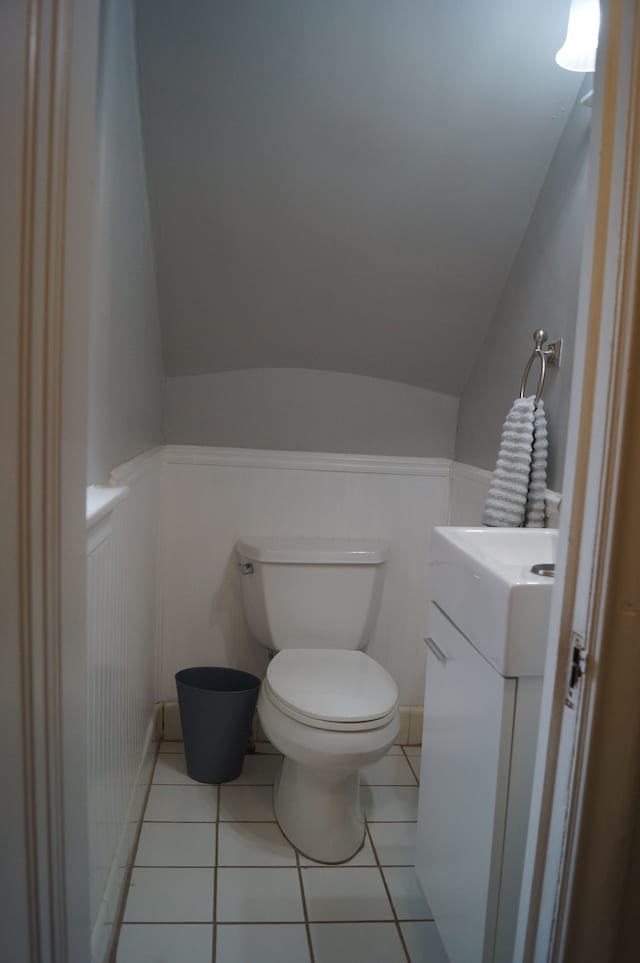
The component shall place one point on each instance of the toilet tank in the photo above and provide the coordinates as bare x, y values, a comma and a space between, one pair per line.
311, 592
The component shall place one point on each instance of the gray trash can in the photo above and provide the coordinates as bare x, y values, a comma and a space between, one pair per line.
216, 710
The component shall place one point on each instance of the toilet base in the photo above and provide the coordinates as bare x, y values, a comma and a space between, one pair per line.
319, 811
317, 797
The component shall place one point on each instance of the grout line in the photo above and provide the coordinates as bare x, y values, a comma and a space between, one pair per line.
387, 891
412, 769
214, 936
304, 907
409, 758
269, 785
421, 919
274, 866
168, 923
212, 822
203, 785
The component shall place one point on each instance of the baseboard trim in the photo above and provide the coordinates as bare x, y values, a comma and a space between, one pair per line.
410, 734
104, 928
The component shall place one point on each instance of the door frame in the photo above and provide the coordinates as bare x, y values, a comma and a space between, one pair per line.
578, 836
559, 908
49, 62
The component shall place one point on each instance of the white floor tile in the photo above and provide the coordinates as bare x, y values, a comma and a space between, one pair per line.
172, 747
395, 843
259, 896
364, 857
356, 943
406, 895
423, 942
177, 844
259, 771
395, 751
182, 804
168, 943
250, 803
339, 894
171, 769
253, 844
263, 944
413, 750
170, 896
389, 771
390, 803
416, 764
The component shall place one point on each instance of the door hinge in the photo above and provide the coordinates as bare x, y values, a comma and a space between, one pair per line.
577, 669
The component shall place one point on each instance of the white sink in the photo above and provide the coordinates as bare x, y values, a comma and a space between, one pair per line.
481, 578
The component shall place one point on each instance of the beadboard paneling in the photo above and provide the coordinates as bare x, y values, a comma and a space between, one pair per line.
469, 490
211, 497
121, 629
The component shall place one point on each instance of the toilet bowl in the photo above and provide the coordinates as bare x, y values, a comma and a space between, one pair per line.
329, 708
330, 712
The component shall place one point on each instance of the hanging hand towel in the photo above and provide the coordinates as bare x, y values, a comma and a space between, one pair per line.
536, 508
506, 505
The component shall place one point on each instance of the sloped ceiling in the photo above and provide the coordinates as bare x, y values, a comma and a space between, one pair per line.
343, 184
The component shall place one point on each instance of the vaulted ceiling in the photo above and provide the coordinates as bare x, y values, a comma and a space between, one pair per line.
343, 184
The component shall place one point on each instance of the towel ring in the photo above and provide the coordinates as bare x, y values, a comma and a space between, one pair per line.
547, 356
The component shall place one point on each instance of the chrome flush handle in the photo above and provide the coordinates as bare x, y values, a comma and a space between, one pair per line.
246, 568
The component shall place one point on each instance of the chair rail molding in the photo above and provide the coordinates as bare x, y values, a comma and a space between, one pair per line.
305, 460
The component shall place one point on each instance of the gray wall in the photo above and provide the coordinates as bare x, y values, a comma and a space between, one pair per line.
292, 409
125, 366
343, 184
541, 292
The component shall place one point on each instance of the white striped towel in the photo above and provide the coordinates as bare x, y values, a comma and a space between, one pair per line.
520, 463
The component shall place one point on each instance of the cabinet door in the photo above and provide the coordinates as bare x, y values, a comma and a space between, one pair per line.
468, 717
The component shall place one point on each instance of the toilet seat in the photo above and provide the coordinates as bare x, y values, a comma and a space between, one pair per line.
333, 689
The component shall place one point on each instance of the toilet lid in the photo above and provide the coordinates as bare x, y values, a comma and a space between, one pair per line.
332, 685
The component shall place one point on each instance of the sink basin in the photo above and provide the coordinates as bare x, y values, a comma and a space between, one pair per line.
481, 578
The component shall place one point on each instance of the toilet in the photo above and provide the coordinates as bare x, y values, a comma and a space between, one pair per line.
328, 707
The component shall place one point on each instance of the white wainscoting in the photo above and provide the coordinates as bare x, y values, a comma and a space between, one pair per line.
211, 497
122, 524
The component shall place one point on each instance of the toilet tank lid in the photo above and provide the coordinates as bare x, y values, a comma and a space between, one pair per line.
313, 551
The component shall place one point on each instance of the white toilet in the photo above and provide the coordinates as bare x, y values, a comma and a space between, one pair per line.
328, 707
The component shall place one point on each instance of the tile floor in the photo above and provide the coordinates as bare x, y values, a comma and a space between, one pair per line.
215, 881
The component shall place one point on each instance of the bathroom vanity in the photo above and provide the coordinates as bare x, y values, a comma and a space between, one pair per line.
485, 662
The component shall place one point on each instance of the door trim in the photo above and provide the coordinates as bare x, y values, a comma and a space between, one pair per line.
552, 897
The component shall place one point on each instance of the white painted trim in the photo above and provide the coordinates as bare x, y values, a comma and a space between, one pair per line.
104, 928
101, 500
304, 461
50, 49
578, 848
411, 719
130, 471
470, 472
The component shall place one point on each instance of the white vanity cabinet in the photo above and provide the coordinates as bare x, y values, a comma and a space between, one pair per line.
479, 742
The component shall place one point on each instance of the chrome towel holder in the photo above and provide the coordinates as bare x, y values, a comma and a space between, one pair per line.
551, 355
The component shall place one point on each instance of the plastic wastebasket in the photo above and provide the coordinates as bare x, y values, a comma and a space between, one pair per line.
216, 710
